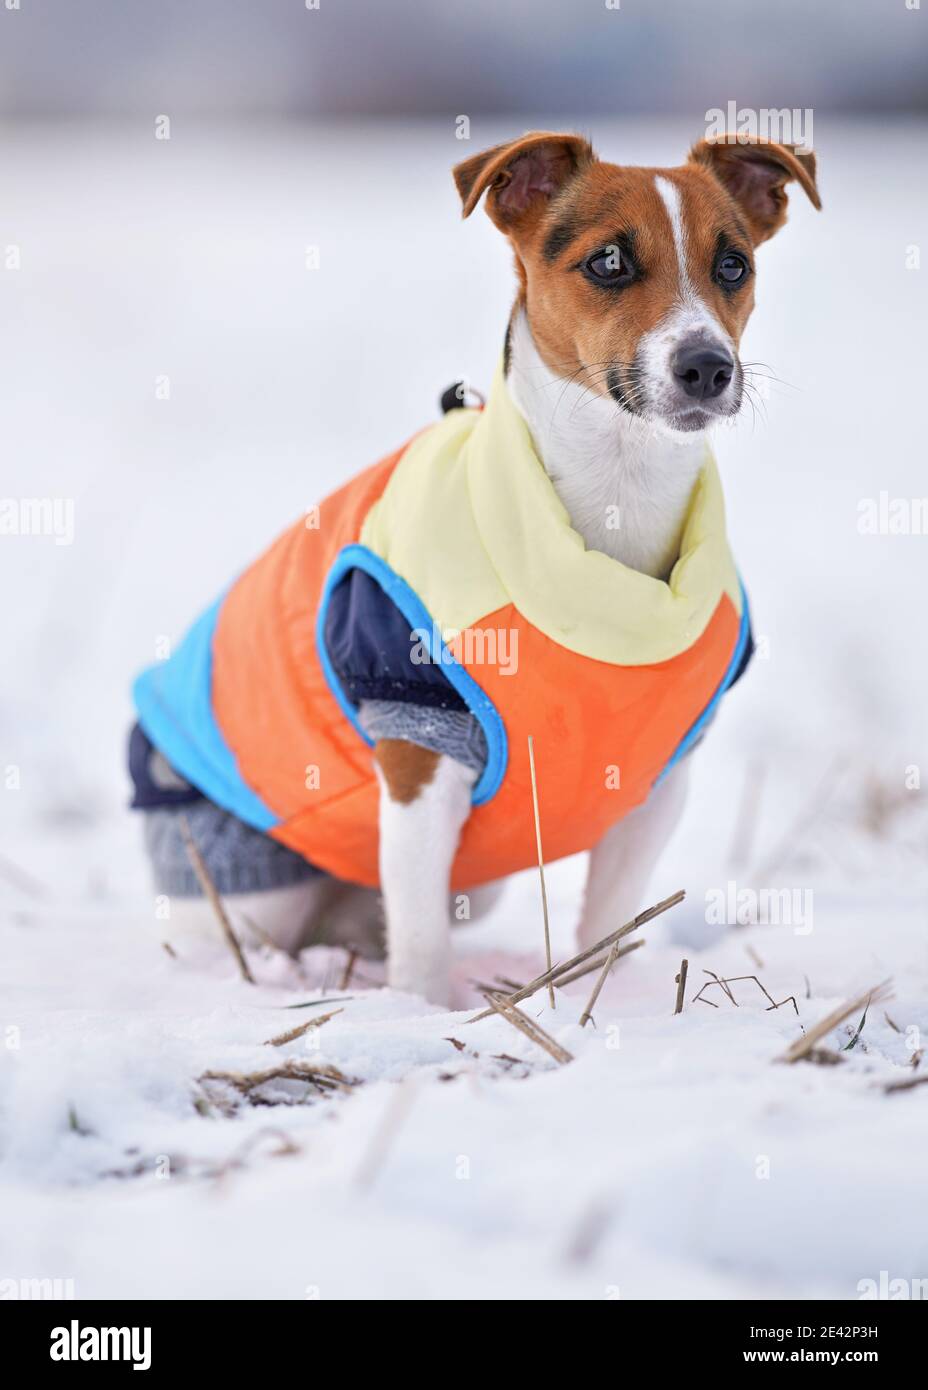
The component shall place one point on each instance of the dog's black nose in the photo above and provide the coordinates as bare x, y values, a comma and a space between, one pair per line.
703, 372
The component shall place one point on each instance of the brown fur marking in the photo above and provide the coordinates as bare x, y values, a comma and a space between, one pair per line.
578, 328
406, 767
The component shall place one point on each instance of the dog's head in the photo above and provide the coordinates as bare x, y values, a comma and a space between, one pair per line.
638, 283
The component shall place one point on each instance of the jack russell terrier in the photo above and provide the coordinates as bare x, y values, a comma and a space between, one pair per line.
353, 713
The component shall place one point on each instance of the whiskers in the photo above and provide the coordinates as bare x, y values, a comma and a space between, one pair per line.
756, 381
593, 382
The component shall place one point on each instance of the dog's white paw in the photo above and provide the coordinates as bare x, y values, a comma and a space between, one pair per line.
433, 984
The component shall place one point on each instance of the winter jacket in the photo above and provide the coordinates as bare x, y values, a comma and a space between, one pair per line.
449, 574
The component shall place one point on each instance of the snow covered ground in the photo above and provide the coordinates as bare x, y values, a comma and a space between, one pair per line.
674, 1156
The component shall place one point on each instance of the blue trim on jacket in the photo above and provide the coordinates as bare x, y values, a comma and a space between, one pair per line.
744, 648
420, 621
367, 642
195, 747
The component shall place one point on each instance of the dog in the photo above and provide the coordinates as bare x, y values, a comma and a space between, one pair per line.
353, 716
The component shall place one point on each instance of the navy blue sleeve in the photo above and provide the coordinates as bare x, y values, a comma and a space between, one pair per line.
373, 650
154, 781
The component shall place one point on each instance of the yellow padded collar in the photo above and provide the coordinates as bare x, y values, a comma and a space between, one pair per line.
471, 520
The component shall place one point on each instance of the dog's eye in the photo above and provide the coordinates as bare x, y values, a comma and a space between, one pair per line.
608, 267
731, 269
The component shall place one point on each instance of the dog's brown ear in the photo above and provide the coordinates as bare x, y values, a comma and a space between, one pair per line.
521, 176
755, 173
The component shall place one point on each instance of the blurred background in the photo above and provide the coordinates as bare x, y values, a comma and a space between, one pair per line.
234, 272
350, 58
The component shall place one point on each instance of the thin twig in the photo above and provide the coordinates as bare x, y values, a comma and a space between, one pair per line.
533, 1031
302, 1028
790, 999
592, 965
724, 984
588, 1011
804, 1045
733, 980
907, 1085
680, 981
314, 1003
541, 864
348, 971
209, 888
558, 971
324, 1078
482, 986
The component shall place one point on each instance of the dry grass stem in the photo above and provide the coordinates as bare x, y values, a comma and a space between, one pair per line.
324, 1078
348, 971
588, 1011
824, 1057
680, 981
804, 1045
508, 984
592, 965
541, 864
723, 984
532, 1030
909, 1084
209, 888
733, 980
557, 972
302, 1028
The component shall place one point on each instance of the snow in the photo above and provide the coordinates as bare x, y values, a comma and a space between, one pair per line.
674, 1156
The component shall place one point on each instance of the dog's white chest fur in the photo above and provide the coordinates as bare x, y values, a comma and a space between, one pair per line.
625, 485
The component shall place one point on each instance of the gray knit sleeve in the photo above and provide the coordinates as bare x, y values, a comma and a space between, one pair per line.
451, 731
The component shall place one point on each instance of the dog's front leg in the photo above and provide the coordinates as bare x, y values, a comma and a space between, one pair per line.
622, 862
425, 798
